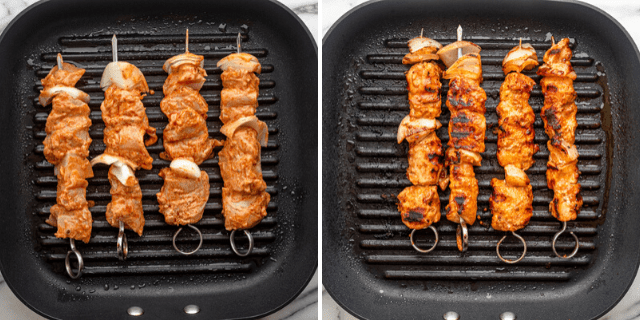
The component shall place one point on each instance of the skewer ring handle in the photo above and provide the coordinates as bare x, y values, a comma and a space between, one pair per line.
524, 252
175, 235
233, 243
122, 245
67, 261
415, 246
462, 235
555, 238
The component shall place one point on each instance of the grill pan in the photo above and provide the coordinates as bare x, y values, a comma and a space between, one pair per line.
155, 277
366, 247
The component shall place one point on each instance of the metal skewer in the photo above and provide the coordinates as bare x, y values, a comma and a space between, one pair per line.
122, 245
462, 232
557, 235
67, 260
523, 252
415, 246
72, 242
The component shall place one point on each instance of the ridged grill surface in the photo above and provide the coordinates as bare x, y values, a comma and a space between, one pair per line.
380, 165
153, 252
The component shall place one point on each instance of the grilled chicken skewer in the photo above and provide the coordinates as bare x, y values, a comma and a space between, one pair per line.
67, 148
126, 124
186, 142
559, 116
419, 205
244, 199
511, 202
465, 101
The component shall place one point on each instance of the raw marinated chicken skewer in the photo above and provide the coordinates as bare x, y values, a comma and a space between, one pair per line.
186, 142
244, 199
419, 205
465, 101
511, 202
126, 124
559, 116
67, 148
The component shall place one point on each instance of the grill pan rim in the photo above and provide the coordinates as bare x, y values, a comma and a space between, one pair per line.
309, 204
330, 164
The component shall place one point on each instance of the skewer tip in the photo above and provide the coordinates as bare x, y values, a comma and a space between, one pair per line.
459, 33
553, 41
59, 58
238, 41
186, 42
520, 44
114, 48
421, 32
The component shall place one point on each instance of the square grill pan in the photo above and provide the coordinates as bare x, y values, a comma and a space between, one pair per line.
155, 277
366, 246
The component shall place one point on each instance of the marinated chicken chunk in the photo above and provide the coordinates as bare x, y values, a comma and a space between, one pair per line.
182, 198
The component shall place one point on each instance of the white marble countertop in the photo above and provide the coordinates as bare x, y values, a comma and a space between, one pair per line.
304, 307
627, 12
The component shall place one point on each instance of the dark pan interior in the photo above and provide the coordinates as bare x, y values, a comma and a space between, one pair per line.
155, 277
366, 247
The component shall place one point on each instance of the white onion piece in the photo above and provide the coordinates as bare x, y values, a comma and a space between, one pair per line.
185, 58
409, 128
515, 176
186, 167
418, 43
109, 160
47, 95
252, 122
243, 61
113, 75
123, 172
449, 54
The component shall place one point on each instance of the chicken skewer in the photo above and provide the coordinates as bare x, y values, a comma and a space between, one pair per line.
126, 124
465, 101
419, 205
244, 199
186, 142
559, 116
67, 148
511, 202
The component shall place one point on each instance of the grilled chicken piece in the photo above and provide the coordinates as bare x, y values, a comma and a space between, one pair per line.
186, 141
126, 203
419, 206
244, 200
467, 125
463, 200
515, 126
182, 198
559, 116
424, 90
510, 204
67, 147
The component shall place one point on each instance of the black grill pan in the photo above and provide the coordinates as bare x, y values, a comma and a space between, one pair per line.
155, 277
366, 246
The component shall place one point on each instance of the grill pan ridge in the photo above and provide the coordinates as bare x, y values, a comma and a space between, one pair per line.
155, 277
366, 245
